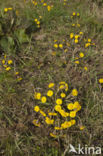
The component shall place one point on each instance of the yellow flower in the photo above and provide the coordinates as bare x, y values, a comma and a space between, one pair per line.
5, 56
73, 122
73, 25
8, 68
82, 127
85, 68
53, 135
42, 113
60, 46
74, 14
10, 61
76, 36
36, 109
57, 108
78, 25
81, 54
62, 87
70, 106
35, 19
51, 85
9, 8
49, 121
62, 82
38, 26
101, 80
43, 99
73, 114
52, 114
66, 124
76, 41
71, 35
20, 78
77, 62
77, 106
57, 128
63, 95
38, 22
49, 8
81, 33
56, 45
49, 93
44, 4
3, 61
74, 92
78, 14
16, 73
35, 122
37, 96
63, 113
87, 45
89, 40
59, 101
5, 9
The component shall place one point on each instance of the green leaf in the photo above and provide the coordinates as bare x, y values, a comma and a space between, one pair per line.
21, 36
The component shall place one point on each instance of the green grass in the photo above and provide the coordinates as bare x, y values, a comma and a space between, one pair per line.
32, 58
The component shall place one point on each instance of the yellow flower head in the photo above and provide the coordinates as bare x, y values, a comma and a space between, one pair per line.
53, 135
89, 40
48, 8
73, 25
10, 61
71, 35
74, 14
35, 122
74, 92
37, 96
5, 9
60, 46
52, 114
56, 45
73, 114
78, 14
49, 121
38, 22
63, 113
36, 108
16, 73
73, 122
42, 113
82, 128
81, 33
101, 80
8, 68
57, 108
3, 61
35, 19
76, 41
85, 68
51, 85
59, 101
66, 124
43, 99
77, 62
81, 54
57, 128
49, 93
63, 95
70, 106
